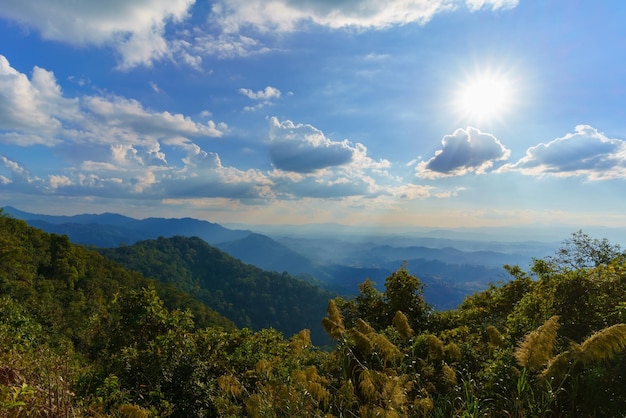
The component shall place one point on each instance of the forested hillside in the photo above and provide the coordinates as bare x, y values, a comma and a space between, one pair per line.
332, 263
82, 337
249, 296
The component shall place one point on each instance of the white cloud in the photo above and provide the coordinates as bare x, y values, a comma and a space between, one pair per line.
35, 111
134, 27
308, 164
268, 93
130, 171
288, 15
223, 45
584, 153
130, 117
57, 181
263, 96
412, 191
304, 149
20, 176
34, 107
145, 31
465, 151
155, 87
113, 146
493, 4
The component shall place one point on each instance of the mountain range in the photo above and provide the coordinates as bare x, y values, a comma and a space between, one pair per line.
336, 264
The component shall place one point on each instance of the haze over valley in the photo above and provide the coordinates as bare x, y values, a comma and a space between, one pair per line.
451, 269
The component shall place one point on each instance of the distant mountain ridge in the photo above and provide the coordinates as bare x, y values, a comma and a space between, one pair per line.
449, 274
264, 252
113, 230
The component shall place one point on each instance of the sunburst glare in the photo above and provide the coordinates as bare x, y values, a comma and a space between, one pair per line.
484, 97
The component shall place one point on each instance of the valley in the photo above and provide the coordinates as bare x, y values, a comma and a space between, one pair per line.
450, 266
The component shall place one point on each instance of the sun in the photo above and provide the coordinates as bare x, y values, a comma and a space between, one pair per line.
484, 98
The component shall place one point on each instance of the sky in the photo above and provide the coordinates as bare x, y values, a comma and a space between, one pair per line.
436, 113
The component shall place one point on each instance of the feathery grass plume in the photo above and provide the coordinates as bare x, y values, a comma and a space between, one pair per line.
255, 407
333, 322
231, 385
435, 347
362, 342
427, 370
313, 383
300, 341
601, 346
401, 324
364, 327
448, 376
394, 396
604, 344
367, 385
133, 411
263, 366
313, 376
423, 406
452, 352
319, 392
560, 365
298, 376
534, 351
388, 350
494, 336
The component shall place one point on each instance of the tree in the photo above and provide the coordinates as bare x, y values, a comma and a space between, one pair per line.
580, 251
405, 293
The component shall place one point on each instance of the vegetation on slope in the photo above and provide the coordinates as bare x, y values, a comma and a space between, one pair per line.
251, 297
548, 343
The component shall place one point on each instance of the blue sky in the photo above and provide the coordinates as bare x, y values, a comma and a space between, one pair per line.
441, 113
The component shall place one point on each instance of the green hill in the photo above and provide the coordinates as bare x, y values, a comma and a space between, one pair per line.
63, 283
248, 295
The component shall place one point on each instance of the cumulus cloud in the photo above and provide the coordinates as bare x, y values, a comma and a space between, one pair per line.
145, 31
35, 111
465, 151
288, 15
130, 116
303, 148
113, 146
263, 96
139, 172
19, 174
310, 165
35, 107
134, 27
585, 153
268, 93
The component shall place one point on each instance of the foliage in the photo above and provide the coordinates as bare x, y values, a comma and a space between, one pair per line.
249, 296
82, 337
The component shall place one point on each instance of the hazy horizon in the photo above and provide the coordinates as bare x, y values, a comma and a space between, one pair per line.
511, 234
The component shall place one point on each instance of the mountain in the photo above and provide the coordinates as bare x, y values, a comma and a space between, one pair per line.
112, 230
267, 254
64, 284
333, 263
248, 295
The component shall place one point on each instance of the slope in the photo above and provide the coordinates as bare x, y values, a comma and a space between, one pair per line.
248, 295
73, 291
